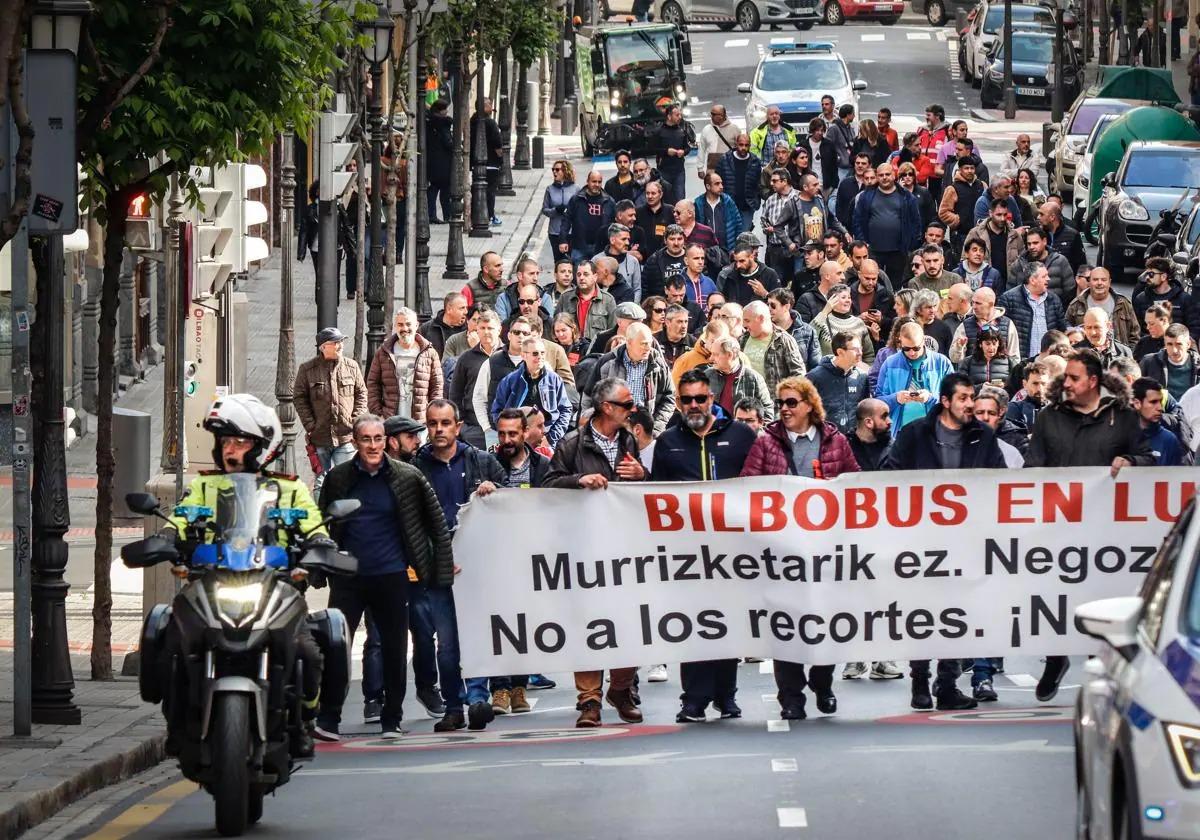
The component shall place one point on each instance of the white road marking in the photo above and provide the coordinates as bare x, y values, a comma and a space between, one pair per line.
792, 817
872, 37
737, 42
918, 36
779, 726
768, 698
783, 765
941, 34
767, 666
1022, 680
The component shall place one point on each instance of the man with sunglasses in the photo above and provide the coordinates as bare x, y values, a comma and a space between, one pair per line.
781, 222
703, 448
598, 452
909, 380
1157, 285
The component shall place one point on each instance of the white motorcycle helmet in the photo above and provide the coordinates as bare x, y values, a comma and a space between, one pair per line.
244, 415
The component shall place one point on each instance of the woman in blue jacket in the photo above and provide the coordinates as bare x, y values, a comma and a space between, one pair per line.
555, 200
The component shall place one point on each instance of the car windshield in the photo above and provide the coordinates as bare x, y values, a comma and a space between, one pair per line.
1089, 113
995, 16
1030, 50
1162, 168
640, 72
802, 74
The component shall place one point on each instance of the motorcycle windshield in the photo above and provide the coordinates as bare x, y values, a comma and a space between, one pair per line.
244, 535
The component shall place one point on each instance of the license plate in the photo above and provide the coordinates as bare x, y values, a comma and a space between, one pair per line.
1028, 91
883, 7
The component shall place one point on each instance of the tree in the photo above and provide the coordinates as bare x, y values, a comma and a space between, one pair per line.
186, 83
14, 20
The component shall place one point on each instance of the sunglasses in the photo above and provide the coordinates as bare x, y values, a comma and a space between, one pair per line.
528, 300
659, 310
697, 399
520, 333
628, 405
912, 349
790, 402
556, 169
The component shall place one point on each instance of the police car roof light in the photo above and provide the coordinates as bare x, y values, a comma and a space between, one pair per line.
779, 46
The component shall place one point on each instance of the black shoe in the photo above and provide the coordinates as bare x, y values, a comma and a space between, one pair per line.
984, 692
302, 746
792, 713
826, 703
431, 699
729, 708
539, 681
1056, 669
922, 701
451, 722
690, 714
954, 701
372, 711
480, 715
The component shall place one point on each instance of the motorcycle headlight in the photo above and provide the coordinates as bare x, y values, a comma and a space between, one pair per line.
1131, 211
1185, 749
237, 603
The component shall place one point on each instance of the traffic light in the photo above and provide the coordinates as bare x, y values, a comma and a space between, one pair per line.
243, 212
211, 234
190, 383
141, 224
336, 151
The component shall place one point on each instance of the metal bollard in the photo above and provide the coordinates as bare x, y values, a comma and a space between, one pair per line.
539, 153
131, 451
569, 121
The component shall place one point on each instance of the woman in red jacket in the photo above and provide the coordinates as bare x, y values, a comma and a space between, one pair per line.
801, 443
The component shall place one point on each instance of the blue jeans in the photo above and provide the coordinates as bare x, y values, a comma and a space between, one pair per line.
330, 457
479, 688
432, 614
983, 669
372, 680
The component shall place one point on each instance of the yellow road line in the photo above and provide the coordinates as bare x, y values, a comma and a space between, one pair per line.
143, 813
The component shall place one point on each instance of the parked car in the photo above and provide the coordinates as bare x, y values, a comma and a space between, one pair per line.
1072, 135
750, 15
795, 76
1083, 170
837, 12
985, 22
1137, 719
1151, 178
1187, 248
1033, 70
937, 12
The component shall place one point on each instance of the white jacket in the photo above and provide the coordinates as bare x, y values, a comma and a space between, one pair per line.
710, 142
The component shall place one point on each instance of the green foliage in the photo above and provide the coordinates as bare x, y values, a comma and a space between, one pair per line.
231, 74
528, 28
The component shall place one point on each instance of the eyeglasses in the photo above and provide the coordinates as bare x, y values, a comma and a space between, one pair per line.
628, 405
520, 333
528, 300
696, 399
912, 349
790, 402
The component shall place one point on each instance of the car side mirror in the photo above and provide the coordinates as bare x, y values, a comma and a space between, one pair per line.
685, 50
859, 84
744, 87
1113, 621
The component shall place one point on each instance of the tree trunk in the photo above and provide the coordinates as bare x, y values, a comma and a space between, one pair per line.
114, 247
389, 236
360, 255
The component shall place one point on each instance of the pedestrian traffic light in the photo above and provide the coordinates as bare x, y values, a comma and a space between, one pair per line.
243, 212
190, 383
336, 151
211, 235
141, 224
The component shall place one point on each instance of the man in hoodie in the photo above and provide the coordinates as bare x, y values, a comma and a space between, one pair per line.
628, 267
1167, 449
1100, 294
740, 171
703, 448
957, 208
1156, 284
1088, 422
718, 211
841, 382
1037, 252
590, 211
974, 268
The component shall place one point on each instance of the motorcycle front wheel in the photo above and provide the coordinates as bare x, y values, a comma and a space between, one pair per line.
230, 740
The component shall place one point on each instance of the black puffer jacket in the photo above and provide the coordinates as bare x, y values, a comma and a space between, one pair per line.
426, 540
1063, 437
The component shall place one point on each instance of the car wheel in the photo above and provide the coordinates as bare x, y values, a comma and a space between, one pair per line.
890, 21
588, 149
748, 17
833, 13
672, 13
803, 25
727, 26
935, 13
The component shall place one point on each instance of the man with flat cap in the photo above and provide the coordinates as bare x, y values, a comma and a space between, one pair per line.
329, 392
404, 437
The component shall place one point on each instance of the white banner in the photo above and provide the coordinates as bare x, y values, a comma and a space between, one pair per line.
868, 566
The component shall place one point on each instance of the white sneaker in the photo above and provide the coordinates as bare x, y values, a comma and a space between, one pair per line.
886, 670
854, 670
657, 673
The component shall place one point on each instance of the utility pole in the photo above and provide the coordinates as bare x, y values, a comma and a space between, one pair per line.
481, 224
413, 141
521, 155
456, 261
543, 128
1010, 95
22, 473
1105, 32
376, 329
420, 273
1056, 95
505, 186
285, 357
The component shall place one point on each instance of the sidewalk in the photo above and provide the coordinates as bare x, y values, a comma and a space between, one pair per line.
120, 735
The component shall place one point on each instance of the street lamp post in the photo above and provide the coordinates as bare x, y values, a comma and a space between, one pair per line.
1056, 95
521, 154
1010, 95
285, 358
505, 186
421, 280
480, 221
55, 25
456, 261
380, 32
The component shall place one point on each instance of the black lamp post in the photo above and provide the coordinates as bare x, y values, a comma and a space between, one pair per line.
423, 306
506, 181
1056, 95
54, 25
521, 154
456, 261
380, 32
481, 223
1010, 95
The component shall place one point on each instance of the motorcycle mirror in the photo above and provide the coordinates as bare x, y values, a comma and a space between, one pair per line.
143, 503
342, 509
329, 559
148, 552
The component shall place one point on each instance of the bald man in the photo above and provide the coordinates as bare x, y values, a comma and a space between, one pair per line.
1098, 335
694, 233
812, 302
741, 171
958, 304
985, 311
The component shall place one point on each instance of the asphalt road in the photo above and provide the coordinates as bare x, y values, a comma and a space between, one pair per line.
875, 769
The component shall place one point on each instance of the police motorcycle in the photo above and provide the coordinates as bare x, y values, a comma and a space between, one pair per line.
222, 656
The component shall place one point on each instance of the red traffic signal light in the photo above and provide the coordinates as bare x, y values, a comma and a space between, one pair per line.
139, 206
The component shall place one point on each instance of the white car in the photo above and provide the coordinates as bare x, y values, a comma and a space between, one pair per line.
1083, 170
1137, 722
986, 21
795, 75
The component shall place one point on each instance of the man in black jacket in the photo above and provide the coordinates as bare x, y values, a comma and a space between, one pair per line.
949, 438
450, 321
1063, 238
672, 142
703, 448
399, 528
653, 219
439, 149
456, 470
822, 155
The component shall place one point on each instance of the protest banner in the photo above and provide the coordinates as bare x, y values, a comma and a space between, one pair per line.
869, 566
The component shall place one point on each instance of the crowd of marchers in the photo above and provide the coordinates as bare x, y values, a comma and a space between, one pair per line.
838, 298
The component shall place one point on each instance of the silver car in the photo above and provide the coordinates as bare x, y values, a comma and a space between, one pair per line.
1151, 178
750, 15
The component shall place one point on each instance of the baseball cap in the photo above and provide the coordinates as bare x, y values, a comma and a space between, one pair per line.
630, 311
397, 424
330, 334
